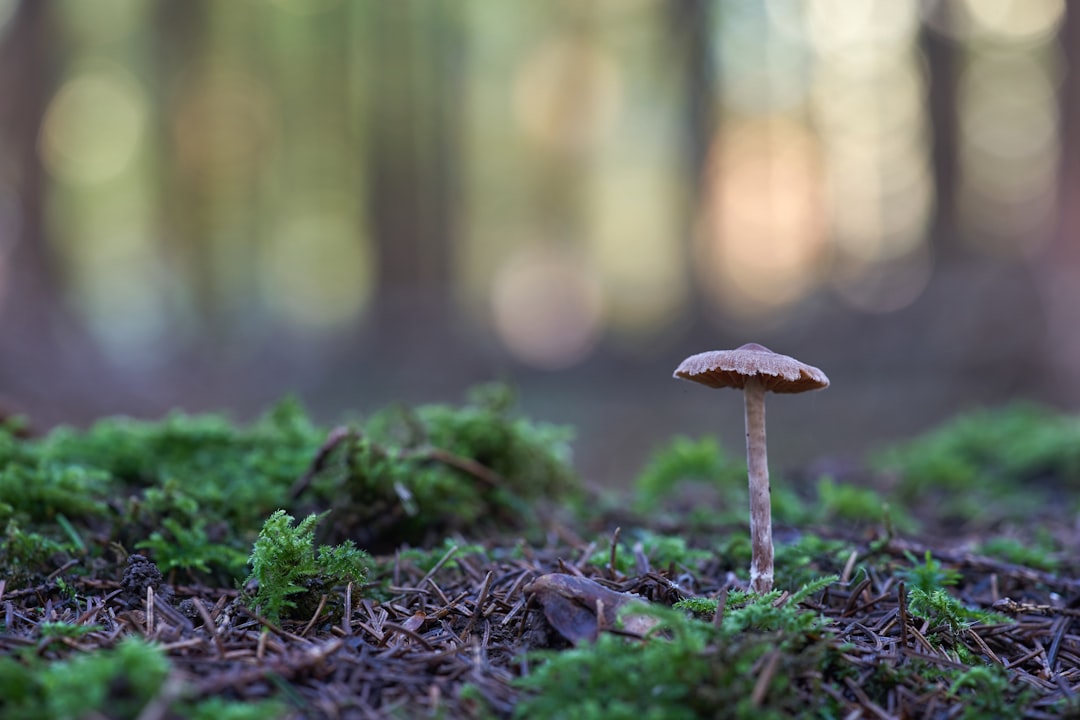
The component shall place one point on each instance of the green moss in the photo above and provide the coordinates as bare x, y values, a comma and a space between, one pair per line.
427, 558
989, 464
698, 480
687, 668
683, 461
285, 564
854, 505
809, 557
928, 576
413, 476
187, 546
66, 630
662, 550
39, 491
1037, 553
929, 599
983, 691
194, 490
116, 683
987, 691
221, 709
25, 555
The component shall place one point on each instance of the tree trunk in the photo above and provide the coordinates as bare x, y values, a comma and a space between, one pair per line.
941, 60
413, 148
692, 37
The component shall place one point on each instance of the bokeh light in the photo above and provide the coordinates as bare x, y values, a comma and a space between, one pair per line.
1008, 115
643, 281
870, 111
547, 306
101, 231
567, 93
607, 177
93, 124
762, 58
225, 126
762, 234
317, 273
96, 24
1015, 20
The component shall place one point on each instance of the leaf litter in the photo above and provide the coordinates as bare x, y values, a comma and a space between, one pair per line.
451, 640
898, 629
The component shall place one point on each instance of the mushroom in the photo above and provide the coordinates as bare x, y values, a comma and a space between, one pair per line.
755, 370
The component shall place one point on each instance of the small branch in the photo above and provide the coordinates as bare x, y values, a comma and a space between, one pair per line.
429, 454
334, 438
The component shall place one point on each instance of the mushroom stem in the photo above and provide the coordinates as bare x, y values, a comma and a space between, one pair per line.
757, 464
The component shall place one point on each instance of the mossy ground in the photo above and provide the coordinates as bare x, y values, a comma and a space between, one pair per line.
153, 569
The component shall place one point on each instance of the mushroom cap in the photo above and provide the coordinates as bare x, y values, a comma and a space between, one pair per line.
732, 368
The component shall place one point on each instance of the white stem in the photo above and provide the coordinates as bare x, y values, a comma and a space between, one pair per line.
761, 545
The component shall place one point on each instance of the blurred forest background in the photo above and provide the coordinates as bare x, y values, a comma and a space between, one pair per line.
207, 204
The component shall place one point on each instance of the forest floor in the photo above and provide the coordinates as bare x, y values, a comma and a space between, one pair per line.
596, 607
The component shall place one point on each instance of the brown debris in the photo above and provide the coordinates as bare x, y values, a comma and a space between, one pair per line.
139, 575
409, 649
579, 608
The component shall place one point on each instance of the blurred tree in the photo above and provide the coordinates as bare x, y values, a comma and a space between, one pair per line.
179, 27
25, 81
31, 285
692, 41
940, 51
1066, 240
413, 163
1059, 274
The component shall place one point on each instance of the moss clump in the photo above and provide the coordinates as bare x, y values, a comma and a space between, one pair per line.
688, 667
416, 475
683, 463
194, 490
988, 465
1039, 552
117, 682
286, 567
929, 599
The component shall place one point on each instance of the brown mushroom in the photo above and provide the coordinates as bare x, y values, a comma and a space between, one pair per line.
755, 370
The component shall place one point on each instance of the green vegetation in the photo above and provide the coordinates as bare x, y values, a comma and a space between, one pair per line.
854, 505
285, 563
67, 630
685, 462
428, 558
980, 691
687, 668
929, 600
811, 556
23, 553
194, 490
696, 480
1036, 553
661, 550
461, 491
416, 475
928, 577
117, 682
989, 465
